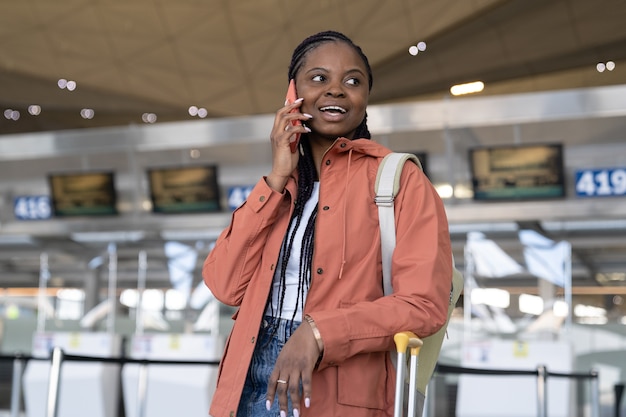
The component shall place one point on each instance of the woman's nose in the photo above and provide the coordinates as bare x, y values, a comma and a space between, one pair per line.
335, 90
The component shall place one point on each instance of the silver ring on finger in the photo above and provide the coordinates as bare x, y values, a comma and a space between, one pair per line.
281, 381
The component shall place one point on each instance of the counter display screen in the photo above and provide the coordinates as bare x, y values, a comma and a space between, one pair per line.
83, 194
517, 172
184, 189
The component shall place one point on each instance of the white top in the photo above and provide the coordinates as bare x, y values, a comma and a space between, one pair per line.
293, 267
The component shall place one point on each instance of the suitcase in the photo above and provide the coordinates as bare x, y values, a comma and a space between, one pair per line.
407, 341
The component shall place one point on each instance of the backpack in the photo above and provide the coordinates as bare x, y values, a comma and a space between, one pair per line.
386, 188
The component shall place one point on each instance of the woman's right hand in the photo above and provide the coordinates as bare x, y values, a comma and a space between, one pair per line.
283, 160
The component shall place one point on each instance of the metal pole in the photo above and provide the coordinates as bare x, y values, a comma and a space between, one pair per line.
16, 388
619, 391
54, 383
595, 394
542, 388
567, 288
112, 250
141, 286
400, 375
142, 387
412, 408
44, 276
431, 395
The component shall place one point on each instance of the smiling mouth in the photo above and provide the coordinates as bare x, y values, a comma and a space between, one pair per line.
333, 109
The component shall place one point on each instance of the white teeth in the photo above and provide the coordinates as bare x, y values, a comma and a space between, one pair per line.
333, 108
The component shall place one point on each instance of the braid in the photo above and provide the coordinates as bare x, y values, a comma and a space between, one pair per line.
312, 42
307, 174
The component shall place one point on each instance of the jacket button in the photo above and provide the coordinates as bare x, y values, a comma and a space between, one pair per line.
262, 198
328, 162
326, 208
320, 271
252, 340
232, 414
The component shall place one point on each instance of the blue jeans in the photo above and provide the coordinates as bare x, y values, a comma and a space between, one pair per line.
272, 337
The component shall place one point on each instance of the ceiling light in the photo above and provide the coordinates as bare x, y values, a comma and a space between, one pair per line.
444, 190
10, 114
560, 308
149, 117
530, 304
581, 310
601, 66
34, 110
207, 234
494, 297
463, 191
415, 49
583, 225
468, 88
193, 111
106, 237
65, 84
11, 240
87, 114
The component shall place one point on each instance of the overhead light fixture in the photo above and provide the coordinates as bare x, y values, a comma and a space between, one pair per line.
149, 118
34, 110
444, 190
107, 237
530, 304
207, 234
465, 228
609, 65
583, 225
494, 297
87, 114
415, 49
11, 240
66, 84
467, 88
11, 114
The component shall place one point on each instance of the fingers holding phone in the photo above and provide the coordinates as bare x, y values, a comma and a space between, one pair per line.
291, 98
286, 135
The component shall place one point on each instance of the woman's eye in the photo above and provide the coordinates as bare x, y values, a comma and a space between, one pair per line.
318, 78
353, 81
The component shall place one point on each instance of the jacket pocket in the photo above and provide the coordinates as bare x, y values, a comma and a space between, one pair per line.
361, 381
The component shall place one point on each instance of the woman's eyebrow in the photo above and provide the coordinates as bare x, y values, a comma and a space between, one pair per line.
317, 69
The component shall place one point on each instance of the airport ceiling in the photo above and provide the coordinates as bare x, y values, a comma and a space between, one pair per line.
131, 58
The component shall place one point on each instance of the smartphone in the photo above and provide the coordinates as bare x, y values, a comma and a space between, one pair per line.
290, 98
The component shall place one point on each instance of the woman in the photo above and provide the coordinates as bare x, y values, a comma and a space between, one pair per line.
301, 258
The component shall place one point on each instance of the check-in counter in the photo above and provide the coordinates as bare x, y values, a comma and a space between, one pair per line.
171, 389
85, 388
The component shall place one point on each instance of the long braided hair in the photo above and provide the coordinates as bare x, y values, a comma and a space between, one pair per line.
307, 175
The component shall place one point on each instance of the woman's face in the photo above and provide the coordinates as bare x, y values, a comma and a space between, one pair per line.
334, 85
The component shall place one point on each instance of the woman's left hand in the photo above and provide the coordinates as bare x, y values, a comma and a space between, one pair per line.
295, 365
